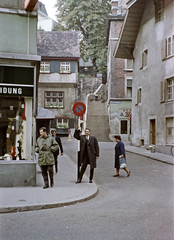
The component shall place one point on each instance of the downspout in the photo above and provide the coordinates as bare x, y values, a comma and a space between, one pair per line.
34, 114
28, 33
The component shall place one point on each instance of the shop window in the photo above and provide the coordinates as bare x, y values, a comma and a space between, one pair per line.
65, 67
45, 67
123, 126
62, 122
54, 99
159, 10
170, 130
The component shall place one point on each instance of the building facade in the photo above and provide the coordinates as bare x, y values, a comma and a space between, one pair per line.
19, 68
57, 90
148, 38
119, 77
45, 23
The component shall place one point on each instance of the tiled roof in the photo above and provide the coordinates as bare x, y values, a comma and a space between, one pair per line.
62, 44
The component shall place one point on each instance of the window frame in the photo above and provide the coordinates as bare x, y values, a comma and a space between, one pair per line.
64, 69
44, 67
170, 46
159, 12
138, 96
168, 87
128, 86
52, 96
63, 123
169, 126
143, 63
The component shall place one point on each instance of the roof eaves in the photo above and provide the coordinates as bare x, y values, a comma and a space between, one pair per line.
126, 42
110, 18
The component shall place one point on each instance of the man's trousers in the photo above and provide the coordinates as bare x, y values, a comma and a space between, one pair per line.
45, 169
83, 169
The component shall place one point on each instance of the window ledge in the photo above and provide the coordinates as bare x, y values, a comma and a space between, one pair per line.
53, 107
168, 57
65, 72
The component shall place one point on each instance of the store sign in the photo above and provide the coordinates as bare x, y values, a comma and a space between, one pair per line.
16, 91
16, 81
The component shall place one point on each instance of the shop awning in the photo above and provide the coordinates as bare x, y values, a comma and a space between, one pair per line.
45, 114
130, 28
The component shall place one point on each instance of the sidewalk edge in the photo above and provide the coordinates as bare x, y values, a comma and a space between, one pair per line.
47, 206
158, 160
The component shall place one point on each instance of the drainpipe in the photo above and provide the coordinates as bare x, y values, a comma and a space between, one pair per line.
34, 114
28, 34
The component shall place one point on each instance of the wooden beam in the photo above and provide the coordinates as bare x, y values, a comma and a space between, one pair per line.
30, 5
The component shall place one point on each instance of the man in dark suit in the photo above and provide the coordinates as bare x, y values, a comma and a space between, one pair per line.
89, 152
58, 140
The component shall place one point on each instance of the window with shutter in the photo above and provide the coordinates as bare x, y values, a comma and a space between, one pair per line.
170, 130
170, 46
159, 10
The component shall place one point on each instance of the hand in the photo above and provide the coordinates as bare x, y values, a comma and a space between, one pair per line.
44, 147
97, 157
61, 153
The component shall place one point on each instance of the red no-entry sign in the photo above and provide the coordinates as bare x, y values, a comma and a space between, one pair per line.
79, 108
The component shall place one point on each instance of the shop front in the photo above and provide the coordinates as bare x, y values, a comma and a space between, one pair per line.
18, 110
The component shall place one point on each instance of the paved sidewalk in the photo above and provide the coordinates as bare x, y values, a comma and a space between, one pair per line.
169, 159
65, 191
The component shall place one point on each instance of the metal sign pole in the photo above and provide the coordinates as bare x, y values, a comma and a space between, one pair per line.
78, 154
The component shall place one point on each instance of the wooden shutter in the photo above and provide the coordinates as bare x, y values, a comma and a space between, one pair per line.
162, 91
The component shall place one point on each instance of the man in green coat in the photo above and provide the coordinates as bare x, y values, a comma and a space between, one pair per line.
45, 146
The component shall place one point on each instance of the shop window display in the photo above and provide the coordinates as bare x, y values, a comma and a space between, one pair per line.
12, 116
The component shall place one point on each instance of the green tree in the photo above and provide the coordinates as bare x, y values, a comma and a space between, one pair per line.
89, 18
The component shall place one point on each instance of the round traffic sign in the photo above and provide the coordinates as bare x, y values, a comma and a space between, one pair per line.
79, 108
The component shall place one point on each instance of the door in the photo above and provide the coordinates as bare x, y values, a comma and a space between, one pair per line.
152, 132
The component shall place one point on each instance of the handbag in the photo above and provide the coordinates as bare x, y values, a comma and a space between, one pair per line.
122, 162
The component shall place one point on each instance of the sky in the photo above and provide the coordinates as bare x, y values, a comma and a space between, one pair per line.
49, 4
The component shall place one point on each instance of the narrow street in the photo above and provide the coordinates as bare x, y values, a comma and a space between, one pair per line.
139, 207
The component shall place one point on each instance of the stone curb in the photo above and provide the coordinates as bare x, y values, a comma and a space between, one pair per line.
47, 206
158, 160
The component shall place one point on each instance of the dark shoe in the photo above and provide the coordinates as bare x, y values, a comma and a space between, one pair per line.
116, 175
90, 181
52, 184
128, 174
78, 181
46, 186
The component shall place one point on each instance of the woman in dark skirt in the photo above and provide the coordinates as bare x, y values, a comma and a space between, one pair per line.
119, 152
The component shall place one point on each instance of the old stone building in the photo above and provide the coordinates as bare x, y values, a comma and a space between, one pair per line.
119, 77
57, 90
147, 37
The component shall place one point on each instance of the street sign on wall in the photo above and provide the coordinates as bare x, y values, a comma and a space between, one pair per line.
79, 108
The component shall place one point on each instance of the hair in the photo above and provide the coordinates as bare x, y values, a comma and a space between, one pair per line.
87, 129
117, 137
53, 131
43, 128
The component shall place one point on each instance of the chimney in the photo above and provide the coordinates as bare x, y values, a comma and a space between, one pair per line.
114, 7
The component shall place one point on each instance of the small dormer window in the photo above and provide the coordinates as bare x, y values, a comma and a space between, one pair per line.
65, 67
